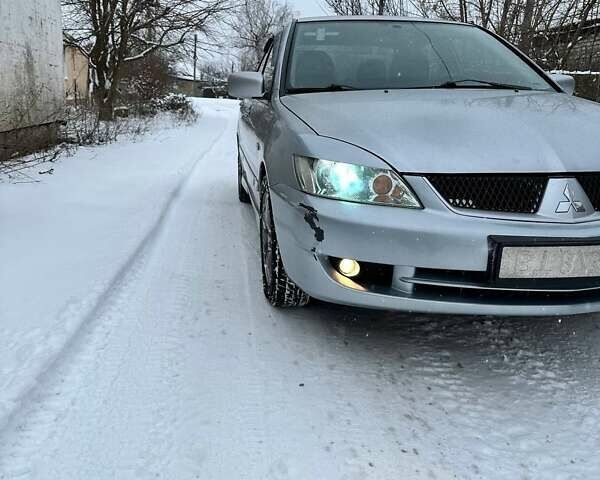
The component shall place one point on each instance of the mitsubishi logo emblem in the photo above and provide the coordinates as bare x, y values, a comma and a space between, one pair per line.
570, 202
566, 201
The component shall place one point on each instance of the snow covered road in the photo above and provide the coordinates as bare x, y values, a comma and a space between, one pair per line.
136, 344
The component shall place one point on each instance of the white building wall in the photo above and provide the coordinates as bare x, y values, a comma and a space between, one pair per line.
31, 63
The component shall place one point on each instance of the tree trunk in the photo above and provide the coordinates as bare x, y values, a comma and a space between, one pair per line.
105, 104
464, 15
105, 111
504, 18
526, 30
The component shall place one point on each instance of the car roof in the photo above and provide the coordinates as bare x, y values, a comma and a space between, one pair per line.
375, 18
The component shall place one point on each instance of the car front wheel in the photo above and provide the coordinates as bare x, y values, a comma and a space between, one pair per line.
279, 289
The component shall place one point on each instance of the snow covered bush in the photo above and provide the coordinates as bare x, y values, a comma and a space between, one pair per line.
177, 104
146, 78
83, 126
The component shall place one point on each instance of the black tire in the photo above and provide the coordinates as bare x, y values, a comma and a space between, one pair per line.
279, 289
242, 193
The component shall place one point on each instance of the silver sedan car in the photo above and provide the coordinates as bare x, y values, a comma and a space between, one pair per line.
422, 166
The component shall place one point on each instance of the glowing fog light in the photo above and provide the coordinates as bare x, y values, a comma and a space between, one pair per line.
349, 268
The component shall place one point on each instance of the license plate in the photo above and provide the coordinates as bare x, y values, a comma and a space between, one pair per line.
550, 262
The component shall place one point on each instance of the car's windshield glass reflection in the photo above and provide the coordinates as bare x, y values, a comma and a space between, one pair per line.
365, 55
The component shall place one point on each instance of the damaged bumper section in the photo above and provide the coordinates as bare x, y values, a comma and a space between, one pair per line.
415, 260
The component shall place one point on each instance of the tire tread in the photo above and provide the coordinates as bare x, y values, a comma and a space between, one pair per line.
284, 292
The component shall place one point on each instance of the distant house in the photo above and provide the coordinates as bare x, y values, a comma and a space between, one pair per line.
31, 74
77, 71
574, 47
186, 85
198, 88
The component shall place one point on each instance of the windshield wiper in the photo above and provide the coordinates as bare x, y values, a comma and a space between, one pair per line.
481, 84
334, 87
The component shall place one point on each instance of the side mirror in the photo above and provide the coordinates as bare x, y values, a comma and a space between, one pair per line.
566, 82
246, 85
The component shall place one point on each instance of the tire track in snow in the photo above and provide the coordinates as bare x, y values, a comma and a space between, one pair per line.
11, 420
235, 404
226, 412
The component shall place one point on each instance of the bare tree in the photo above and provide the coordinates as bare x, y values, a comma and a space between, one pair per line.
252, 24
147, 78
367, 7
216, 72
117, 32
547, 30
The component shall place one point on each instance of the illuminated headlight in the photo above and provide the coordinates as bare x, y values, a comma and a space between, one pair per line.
353, 183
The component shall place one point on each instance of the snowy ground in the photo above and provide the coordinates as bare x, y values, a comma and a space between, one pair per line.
135, 344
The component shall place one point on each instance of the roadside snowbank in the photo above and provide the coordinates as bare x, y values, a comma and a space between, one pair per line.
64, 241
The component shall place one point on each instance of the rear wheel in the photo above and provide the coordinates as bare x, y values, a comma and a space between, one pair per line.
279, 289
242, 193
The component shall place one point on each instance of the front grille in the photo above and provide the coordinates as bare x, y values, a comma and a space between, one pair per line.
497, 193
590, 182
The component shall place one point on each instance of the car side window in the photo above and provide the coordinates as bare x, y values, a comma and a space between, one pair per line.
268, 71
270, 64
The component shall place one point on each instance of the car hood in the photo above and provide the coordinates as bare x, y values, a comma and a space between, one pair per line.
460, 131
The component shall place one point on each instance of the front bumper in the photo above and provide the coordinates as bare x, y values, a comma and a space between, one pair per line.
312, 229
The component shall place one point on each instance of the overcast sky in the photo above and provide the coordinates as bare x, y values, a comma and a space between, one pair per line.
304, 8
309, 8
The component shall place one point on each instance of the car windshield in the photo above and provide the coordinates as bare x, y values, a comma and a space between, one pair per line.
356, 55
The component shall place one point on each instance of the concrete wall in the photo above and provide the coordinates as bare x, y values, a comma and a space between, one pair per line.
31, 63
587, 86
586, 53
77, 75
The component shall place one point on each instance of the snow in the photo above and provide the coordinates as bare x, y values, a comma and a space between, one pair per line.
137, 344
575, 72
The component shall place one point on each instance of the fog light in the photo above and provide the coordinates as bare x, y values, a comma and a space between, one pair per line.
349, 268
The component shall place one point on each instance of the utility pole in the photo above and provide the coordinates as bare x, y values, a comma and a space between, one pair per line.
195, 55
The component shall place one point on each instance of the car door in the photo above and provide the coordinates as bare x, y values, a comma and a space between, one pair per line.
246, 139
251, 129
262, 114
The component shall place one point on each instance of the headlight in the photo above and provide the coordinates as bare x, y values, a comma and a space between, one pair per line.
354, 183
